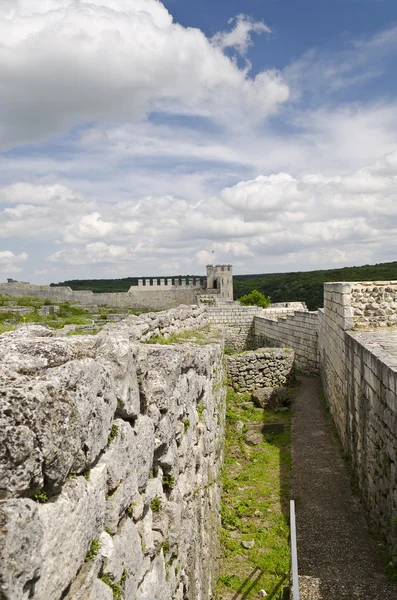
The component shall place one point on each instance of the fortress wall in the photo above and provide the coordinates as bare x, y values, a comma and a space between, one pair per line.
297, 331
126, 441
238, 322
359, 374
374, 304
266, 367
137, 297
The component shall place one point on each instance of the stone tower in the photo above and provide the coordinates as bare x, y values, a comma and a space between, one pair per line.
220, 277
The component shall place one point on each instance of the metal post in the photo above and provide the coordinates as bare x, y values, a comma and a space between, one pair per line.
294, 553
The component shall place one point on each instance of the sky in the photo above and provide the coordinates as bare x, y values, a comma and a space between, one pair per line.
139, 136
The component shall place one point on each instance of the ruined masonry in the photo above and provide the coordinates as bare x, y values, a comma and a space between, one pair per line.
109, 467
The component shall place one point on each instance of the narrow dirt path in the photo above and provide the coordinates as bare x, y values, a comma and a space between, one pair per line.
338, 560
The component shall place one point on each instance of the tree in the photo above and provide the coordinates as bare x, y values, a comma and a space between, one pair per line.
255, 298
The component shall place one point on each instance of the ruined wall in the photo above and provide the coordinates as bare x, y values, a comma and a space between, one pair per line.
136, 297
359, 374
122, 441
238, 322
297, 331
266, 367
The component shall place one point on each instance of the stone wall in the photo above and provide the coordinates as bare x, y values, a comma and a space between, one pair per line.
297, 331
122, 443
359, 375
238, 322
136, 297
266, 367
374, 304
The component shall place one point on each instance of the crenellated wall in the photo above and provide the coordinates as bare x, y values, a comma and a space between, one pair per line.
152, 297
109, 462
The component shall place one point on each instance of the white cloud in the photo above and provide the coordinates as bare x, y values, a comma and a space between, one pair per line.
276, 219
65, 62
9, 262
240, 37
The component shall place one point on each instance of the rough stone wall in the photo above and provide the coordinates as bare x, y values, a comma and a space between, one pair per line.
359, 375
238, 322
297, 331
374, 304
125, 439
136, 297
266, 367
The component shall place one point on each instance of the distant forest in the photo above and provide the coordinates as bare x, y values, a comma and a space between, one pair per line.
304, 286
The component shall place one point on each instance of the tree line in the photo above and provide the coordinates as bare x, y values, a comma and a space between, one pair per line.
304, 286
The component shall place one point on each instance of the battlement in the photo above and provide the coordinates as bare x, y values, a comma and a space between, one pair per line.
148, 283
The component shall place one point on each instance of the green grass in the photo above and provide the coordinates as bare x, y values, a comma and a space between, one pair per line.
201, 336
4, 328
93, 551
256, 488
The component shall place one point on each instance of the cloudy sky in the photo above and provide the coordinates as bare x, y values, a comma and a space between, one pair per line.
137, 136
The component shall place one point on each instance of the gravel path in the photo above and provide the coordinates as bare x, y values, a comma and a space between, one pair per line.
338, 560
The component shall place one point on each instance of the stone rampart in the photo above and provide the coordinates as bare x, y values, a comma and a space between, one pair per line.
297, 331
359, 375
266, 367
109, 463
238, 322
137, 297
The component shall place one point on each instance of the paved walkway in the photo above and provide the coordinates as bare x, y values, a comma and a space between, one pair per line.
338, 560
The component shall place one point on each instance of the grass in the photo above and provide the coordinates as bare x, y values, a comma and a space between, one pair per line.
256, 488
113, 434
93, 551
199, 336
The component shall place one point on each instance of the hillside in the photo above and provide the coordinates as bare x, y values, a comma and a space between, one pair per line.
305, 286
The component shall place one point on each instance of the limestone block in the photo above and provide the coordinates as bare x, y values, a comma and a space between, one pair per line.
154, 584
100, 591
144, 431
120, 461
69, 525
122, 354
125, 556
69, 411
20, 549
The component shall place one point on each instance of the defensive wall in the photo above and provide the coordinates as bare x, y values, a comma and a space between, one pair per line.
109, 465
151, 297
125, 438
150, 293
358, 365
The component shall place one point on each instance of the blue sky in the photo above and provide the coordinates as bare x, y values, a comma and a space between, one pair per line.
138, 136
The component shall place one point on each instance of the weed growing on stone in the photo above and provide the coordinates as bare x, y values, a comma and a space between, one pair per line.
41, 497
168, 482
130, 509
116, 587
254, 508
155, 504
186, 424
200, 409
229, 351
93, 551
113, 434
